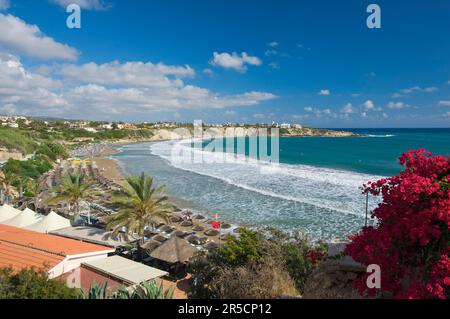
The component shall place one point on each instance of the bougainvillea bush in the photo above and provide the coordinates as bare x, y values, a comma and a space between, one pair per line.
410, 242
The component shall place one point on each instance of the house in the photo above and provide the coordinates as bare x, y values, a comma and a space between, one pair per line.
285, 126
22, 248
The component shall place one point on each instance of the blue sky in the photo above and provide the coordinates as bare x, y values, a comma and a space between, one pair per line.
310, 62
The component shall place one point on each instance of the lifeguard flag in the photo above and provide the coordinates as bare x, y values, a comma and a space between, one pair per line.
215, 224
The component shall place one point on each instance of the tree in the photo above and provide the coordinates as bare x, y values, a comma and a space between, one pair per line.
255, 265
7, 180
146, 206
73, 189
411, 241
33, 284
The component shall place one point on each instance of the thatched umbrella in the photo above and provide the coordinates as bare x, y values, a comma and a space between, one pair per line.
173, 251
166, 228
193, 239
198, 228
176, 219
150, 245
238, 230
187, 223
180, 233
211, 245
199, 217
225, 226
211, 232
188, 213
160, 238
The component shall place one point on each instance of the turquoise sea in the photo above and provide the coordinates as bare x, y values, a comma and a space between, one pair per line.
315, 188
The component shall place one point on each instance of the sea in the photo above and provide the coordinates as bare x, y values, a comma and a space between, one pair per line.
315, 188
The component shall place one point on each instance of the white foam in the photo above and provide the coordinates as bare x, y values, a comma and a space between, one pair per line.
331, 189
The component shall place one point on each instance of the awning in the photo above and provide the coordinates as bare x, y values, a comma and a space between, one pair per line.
125, 270
8, 212
49, 223
24, 219
96, 236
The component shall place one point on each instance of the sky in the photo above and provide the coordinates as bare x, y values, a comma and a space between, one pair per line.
310, 62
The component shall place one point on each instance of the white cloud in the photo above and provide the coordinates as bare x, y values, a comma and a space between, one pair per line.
364, 114
397, 105
413, 90
273, 44
271, 52
19, 36
24, 91
348, 109
84, 4
324, 92
230, 112
369, 105
308, 109
111, 88
444, 103
385, 115
138, 74
274, 65
5, 4
208, 71
235, 61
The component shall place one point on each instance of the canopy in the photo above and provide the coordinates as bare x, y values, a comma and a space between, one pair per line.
125, 270
8, 212
175, 250
24, 219
95, 236
50, 223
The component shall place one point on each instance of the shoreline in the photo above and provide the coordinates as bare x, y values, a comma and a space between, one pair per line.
112, 170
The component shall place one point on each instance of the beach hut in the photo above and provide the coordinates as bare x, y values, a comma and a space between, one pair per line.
8, 212
24, 219
49, 223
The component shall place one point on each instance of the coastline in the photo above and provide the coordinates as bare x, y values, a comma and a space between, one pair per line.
112, 170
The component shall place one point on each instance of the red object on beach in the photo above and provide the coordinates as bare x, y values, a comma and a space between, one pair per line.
215, 224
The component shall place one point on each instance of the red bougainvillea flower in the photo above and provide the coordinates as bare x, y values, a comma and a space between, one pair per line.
411, 241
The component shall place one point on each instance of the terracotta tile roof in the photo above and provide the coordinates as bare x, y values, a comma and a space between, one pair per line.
22, 248
18, 257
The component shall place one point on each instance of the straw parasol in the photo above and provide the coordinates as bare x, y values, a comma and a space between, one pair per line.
225, 226
211, 232
166, 228
198, 228
180, 233
187, 223
176, 219
173, 251
160, 238
193, 239
199, 217
150, 245
238, 230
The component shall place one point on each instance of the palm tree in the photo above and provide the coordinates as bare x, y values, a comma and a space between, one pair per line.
33, 188
146, 206
73, 189
7, 181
